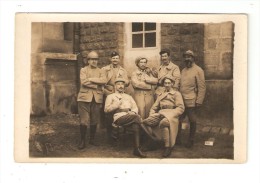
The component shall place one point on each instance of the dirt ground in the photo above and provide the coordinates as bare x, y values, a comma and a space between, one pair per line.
58, 136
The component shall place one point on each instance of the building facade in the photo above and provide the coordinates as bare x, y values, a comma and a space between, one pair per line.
58, 50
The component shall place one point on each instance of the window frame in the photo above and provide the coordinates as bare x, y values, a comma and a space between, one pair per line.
143, 32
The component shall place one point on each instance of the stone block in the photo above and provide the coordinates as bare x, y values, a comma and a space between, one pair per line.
87, 25
197, 29
175, 48
57, 46
173, 30
215, 130
226, 44
98, 38
212, 30
224, 131
36, 41
113, 28
211, 58
163, 32
227, 62
38, 99
212, 44
53, 31
93, 25
82, 47
96, 46
37, 73
227, 29
89, 46
94, 31
206, 129
103, 29
87, 31
166, 40
231, 132
176, 39
187, 39
185, 30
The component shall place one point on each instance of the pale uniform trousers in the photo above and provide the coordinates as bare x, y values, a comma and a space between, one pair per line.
143, 85
165, 113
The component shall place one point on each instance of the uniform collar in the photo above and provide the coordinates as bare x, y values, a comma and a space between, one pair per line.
169, 67
111, 67
139, 71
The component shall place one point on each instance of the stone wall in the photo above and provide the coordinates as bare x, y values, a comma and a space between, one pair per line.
182, 37
213, 47
219, 43
103, 38
53, 69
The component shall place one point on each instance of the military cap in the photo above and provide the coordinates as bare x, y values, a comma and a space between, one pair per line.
114, 53
165, 50
168, 77
120, 79
189, 52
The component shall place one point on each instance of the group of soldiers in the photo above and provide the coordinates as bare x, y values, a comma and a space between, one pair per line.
161, 100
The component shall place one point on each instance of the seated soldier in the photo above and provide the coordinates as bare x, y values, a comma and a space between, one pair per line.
125, 113
163, 120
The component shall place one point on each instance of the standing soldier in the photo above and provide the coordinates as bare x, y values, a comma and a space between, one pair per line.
112, 71
162, 123
143, 83
167, 68
90, 98
193, 89
125, 112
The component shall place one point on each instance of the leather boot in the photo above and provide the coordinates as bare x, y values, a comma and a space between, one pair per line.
83, 131
192, 135
167, 152
137, 152
178, 138
93, 129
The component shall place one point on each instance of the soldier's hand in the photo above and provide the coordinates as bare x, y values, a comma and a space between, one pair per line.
154, 72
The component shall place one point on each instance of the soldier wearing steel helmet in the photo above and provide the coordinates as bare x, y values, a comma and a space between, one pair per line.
90, 98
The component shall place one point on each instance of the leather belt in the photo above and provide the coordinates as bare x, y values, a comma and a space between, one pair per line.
168, 107
122, 110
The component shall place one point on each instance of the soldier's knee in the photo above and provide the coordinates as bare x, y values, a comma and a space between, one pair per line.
164, 123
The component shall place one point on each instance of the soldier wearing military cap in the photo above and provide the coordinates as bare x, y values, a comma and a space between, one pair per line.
167, 68
90, 98
112, 71
193, 89
143, 82
163, 120
125, 112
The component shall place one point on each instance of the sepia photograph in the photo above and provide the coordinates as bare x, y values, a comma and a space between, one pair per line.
160, 88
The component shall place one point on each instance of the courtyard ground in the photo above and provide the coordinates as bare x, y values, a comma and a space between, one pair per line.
58, 136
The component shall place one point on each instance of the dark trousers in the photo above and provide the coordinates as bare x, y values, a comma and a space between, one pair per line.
131, 121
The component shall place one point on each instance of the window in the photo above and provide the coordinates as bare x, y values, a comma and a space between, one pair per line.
143, 34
